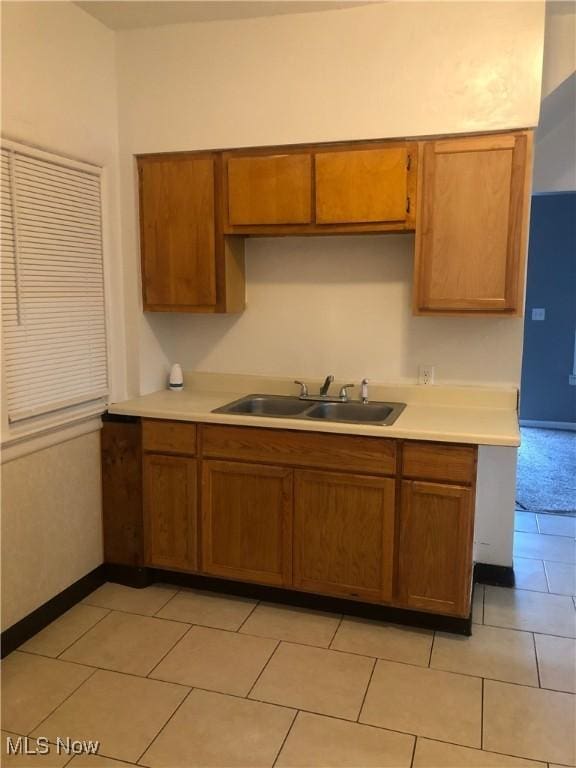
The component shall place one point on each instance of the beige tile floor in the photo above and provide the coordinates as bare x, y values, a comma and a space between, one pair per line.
169, 678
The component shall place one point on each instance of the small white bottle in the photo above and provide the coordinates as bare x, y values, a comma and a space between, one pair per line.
176, 380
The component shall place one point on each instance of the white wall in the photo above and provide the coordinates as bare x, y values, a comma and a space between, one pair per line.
395, 69
59, 93
555, 148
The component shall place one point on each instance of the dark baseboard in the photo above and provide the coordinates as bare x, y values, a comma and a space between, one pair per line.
23, 630
317, 602
495, 575
129, 575
133, 576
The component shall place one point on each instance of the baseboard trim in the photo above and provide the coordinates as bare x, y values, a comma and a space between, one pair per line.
129, 575
495, 575
567, 425
30, 625
454, 624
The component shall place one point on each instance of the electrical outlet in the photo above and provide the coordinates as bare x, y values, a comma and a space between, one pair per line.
426, 374
538, 313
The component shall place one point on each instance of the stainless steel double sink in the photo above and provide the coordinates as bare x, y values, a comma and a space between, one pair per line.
286, 407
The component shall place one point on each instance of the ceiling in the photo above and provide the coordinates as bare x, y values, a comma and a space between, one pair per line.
131, 14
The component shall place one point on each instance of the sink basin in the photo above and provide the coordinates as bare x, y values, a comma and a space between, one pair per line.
266, 405
281, 406
357, 413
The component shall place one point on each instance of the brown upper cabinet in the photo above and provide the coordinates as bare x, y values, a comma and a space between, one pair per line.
362, 186
269, 189
467, 199
187, 263
320, 189
472, 225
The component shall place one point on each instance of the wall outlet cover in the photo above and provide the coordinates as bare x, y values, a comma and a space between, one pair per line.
426, 374
539, 313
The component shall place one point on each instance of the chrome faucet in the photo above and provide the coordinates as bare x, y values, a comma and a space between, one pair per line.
326, 386
343, 396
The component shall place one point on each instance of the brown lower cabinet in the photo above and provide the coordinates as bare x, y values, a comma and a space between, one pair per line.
372, 519
247, 521
344, 534
435, 546
170, 512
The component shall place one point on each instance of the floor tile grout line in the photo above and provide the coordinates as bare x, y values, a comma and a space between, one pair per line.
279, 642
482, 716
256, 604
536, 656
413, 752
488, 751
155, 615
90, 676
100, 669
285, 739
431, 649
366, 691
165, 725
68, 647
537, 631
268, 660
323, 714
172, 647
341, 621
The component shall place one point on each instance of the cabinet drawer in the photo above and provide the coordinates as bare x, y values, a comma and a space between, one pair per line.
169, 436
301, 449
438, 461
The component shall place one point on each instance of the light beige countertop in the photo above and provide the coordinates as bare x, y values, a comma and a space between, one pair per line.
452, 414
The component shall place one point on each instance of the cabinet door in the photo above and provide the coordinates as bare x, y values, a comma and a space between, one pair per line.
247, 522
471, 229
368, 185
170, 512
177, 219
344, 534
435, 556
269, 189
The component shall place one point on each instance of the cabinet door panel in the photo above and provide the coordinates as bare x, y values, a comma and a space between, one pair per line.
170, 512
368, 185
269, 189
177, 213
247, 522
344, 534
435, 558
471, 234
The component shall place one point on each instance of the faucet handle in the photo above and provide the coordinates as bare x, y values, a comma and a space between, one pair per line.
344, 391
364, 390
303, 388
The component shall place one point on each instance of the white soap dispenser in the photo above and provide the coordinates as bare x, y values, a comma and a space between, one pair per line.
176, 380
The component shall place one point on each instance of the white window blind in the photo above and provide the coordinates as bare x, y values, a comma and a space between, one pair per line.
53, 313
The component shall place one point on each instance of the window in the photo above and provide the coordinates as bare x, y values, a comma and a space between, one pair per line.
53, 312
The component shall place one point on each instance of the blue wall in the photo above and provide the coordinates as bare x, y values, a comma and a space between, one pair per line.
548, 357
